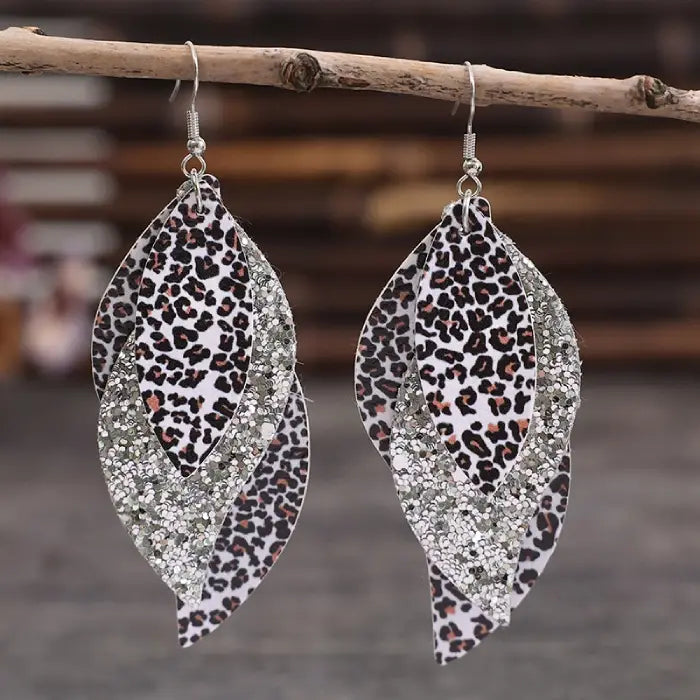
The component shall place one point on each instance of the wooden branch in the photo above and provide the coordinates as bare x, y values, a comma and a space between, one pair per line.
28, 50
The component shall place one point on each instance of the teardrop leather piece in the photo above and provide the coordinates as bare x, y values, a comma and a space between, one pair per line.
194, 329
475, 346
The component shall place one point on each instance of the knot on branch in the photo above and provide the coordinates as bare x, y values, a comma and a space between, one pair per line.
655, 92
301, 72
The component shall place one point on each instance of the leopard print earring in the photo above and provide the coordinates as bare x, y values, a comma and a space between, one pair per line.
467, 380
202, 432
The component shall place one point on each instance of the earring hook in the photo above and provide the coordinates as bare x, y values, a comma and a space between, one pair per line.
196, 145
472, 98
195, 82
471, 165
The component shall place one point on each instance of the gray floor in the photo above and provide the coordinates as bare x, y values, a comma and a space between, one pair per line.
345, 614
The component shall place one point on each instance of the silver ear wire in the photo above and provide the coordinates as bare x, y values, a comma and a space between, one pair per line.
195, 83
471, 165
196, 145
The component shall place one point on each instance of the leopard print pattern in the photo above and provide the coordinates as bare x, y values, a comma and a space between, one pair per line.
452, 614
116, 313
258, 527
458, 625
386, 349
475, 346
543, 532
194, 329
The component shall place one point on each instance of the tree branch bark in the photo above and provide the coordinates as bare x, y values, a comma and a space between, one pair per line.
28, 50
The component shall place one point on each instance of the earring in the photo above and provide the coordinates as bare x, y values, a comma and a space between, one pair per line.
467, 381
202, 431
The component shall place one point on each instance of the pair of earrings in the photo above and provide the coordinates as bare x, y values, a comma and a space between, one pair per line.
467, 381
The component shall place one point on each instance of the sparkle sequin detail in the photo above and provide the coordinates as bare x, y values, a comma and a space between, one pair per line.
474, 540
174, 521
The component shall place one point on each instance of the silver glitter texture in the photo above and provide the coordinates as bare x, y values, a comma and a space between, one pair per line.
474, 539
174, 521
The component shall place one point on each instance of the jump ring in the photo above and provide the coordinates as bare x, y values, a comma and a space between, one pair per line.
194, 180
186, 160
462, 192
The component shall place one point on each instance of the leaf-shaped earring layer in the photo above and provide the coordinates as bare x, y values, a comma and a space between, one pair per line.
116, 314
193, 330
459, 624
256, 529
475, 350
386, 347
115, 319
175, 520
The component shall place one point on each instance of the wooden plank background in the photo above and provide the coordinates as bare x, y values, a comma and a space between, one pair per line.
337, 187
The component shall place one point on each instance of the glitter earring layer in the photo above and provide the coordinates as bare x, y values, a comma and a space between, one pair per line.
467, 380
202, 431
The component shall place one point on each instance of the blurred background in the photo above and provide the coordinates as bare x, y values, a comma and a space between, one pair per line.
336, 187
